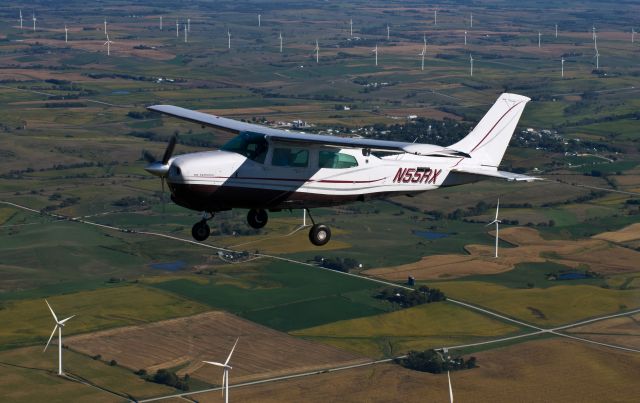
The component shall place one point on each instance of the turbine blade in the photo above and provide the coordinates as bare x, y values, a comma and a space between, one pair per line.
497, 209
64, 320
217, 364
233, 348
51, 309
50, 337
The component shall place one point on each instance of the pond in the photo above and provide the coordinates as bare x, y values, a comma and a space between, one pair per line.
169, 266
431, 234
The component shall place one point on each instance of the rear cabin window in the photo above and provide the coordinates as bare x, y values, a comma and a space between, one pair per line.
290, 157
252, 145
336, 160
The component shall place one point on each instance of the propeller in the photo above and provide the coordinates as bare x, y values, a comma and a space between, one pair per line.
160, 168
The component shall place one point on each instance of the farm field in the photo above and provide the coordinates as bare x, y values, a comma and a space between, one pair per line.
503, 373
183, 343
621, 331
418, 328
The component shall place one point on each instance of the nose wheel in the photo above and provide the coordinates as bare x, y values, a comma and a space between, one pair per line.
200, 230
319, 234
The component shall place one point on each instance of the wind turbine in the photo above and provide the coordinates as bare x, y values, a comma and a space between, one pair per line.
471, 21
497, 223
593, 35
22, 28
351, 27
471, 64
435, 16
317, 49
225, 374
556, 31
465, 38
189, 24
34, 22
58, 326
447, 360
160, 23
562, 63
229, 38
539, 38
633, 31
388, 31
66, 33
376, 52
259, 20
177, 29
424, 52
105, 26
280, 37
597, 60
186, 29
108, 43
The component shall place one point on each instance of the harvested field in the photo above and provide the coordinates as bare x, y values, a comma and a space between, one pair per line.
539, 371
185, 342
627, 234
598, 254
624, 331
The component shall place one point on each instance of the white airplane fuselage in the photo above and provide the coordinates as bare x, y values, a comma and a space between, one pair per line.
219, 180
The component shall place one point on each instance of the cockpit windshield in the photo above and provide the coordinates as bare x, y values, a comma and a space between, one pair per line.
252, 145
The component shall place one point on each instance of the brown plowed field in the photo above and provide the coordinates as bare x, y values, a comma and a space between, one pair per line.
184, 342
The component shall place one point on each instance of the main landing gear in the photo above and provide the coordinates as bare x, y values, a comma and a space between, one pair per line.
319, 234
257, 218
200, 230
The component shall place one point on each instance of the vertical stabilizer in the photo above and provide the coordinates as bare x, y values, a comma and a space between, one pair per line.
488, 141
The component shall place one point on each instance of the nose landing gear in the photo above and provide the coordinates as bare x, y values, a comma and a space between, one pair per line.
200, 230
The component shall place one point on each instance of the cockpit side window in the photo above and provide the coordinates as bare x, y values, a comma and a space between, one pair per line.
252, 145
290, 157
336, 160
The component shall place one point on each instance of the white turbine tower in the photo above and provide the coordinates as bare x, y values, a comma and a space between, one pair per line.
189, 24
66, 33
21, 19
186, 29
108, 43
423, 53
465, 38
225, 374
471, 64
317, 49
633, 32
497, 222
388, 31
58, 326
539, 38
562, 63
447, 360
593, 35
351, 27
229, 39
34, 22
259, 20
280, 37
177, 29
105, 26
435, 17
376, 52
160, 23
471, 21
556, 31
597, 60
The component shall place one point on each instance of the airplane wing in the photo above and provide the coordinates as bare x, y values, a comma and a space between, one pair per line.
510, 176
235, 127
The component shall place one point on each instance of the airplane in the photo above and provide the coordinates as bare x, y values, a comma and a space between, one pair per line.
265, 169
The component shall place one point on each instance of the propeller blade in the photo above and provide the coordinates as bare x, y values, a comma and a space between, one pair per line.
52, 313
147, 156
64, 320
50, 337
169, 151
233, 348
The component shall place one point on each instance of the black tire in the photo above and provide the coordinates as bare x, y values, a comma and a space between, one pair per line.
319, 234
257, 218
200, 231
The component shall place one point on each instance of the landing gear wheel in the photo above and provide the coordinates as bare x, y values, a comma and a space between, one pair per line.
200, 231
319, 234
257, 218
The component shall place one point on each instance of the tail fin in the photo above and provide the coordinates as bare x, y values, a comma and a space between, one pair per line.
488, 141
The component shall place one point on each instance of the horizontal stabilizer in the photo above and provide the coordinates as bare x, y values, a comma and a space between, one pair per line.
510, 176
